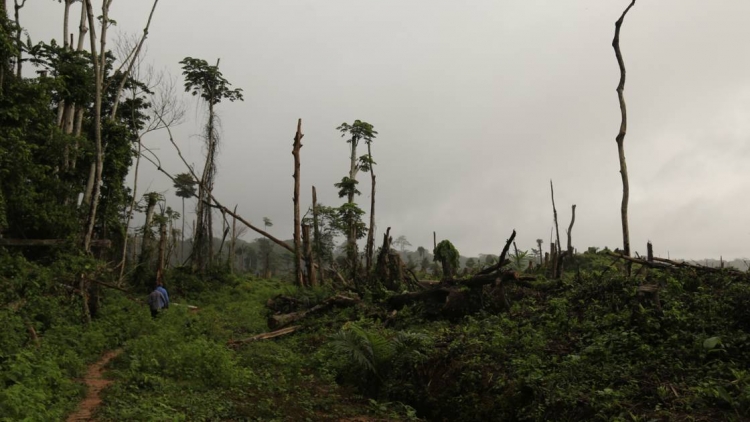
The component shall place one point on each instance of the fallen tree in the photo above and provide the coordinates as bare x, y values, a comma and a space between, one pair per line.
282, 320
454, 297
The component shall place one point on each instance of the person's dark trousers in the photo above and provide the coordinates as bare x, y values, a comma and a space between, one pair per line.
154, 313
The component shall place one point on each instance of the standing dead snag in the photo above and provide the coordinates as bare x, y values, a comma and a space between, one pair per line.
556, 254
570, 230
621, 135
297, 241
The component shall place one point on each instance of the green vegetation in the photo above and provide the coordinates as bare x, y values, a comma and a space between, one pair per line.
641, 341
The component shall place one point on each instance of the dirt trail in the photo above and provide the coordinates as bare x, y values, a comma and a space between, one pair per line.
95, 383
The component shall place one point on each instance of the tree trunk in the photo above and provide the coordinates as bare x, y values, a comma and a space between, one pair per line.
162, 250
19, 43
311, 279
132, 207
147, 238
182, 235
369, 250
316, 233
351, 239
621, 135
233, 243
570, 231
82, 28
554, 212
66, 23
98, 72
297, 241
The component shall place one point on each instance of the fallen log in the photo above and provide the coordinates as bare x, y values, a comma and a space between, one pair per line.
265, 336
279, 321
668, 264
440, 295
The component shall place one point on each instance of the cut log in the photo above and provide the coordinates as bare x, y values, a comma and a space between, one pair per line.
265, 336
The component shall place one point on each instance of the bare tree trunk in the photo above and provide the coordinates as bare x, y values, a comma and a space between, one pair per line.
434, 241
98, 72
316, 233
369, 250
145, 260
82, 27
554, 212
162, 250
66, 23
86, 202
539, 245
297, 241
233, 242
131, 207
133, 59
311, 276
621, 135
570, 231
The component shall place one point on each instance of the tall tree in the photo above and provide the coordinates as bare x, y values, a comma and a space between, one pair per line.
99, 82
621, 134
351, 214
185, 188
367, 164
206, 81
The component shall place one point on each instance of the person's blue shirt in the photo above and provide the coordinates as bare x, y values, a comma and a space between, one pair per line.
163, 291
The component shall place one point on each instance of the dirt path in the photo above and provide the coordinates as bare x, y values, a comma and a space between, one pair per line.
95, 383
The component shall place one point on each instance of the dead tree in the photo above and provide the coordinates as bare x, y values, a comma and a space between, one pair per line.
556, 255
297, 239
570, 230
621, 134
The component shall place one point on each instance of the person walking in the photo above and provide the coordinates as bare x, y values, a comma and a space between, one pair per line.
158, 300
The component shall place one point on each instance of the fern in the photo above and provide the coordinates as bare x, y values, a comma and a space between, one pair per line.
372, 351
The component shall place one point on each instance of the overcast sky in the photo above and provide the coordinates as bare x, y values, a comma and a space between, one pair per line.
478, 105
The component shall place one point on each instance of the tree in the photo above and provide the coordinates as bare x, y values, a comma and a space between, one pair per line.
207, 82
620, 139
185, 188
448, 256
421, 251
402, 243
356, 132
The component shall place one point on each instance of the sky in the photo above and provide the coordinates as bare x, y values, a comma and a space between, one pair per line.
478, 105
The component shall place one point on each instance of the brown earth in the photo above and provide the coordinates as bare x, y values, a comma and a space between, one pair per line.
95, 383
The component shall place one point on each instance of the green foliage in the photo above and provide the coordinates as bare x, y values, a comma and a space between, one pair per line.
38, 380
207, 81
448, 255
184, 185
357, 131
346, 187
